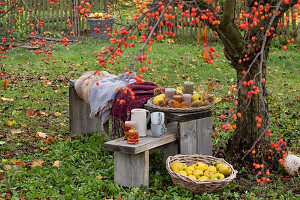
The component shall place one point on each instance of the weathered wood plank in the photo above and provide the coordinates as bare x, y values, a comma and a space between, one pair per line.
131, 170
145, 143
188, 137
204, 127
170, 150
79, 111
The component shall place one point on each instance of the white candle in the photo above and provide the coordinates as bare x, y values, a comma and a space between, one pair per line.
188, 87
187, 98
169, 93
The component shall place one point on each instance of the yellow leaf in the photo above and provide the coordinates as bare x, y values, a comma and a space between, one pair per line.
15, 131
39, 162
204, 34
10, 123
170, 41
5, 84
217, 99
56, 163
57, 114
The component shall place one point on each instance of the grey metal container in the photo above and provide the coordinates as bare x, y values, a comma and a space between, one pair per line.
102, 25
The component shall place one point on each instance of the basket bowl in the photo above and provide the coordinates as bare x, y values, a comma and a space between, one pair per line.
198, 186
151, 105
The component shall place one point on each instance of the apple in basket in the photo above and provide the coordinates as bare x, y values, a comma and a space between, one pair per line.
202, 171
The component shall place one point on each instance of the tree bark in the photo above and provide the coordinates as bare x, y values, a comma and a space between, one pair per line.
247, 133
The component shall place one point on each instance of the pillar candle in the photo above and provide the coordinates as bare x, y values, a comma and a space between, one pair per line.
187, 98
169, 93
188, 87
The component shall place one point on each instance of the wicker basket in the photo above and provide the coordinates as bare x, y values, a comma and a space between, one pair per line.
177, 110
100, 24
198, 186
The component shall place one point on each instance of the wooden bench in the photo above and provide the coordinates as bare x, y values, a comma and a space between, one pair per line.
131, 161
190, 135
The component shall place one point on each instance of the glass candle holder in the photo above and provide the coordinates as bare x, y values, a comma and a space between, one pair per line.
133, 137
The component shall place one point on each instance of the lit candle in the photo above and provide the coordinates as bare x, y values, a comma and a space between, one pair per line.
169, 93
188, 87
187, 98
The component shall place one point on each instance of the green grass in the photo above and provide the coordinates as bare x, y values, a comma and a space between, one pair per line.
86, 170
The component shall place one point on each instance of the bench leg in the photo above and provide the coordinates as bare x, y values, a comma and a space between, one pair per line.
79, 111
170, 150
195, 138
131, 170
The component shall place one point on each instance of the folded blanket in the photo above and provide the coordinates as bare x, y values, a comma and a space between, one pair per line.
83, 85
103, 95
143, 92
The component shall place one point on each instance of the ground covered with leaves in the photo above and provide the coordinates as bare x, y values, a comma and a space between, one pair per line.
40, 159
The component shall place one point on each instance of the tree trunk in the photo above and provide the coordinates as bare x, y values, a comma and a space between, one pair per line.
247, 132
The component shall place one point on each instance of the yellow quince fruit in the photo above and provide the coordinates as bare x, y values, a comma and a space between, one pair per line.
224, 169
197, 173
212, 168
202, 166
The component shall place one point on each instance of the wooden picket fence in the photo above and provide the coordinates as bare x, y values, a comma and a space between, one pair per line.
54, 17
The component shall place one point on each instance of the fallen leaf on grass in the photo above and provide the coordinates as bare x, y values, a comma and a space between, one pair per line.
41, 135
99, 177
2, 142
56, 163
39, 162
5, 84
7, 167
10, 123
6, 99
286, 178
44, 148
49, 140
15, 131
57, 114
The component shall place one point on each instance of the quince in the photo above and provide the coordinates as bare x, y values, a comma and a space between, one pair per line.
183, 173
157, 99
201, 166
212, 168
197, 173
195, 97
203, 178
189, 170
208, 173
224, 169
177, 166
192, 176
217, 176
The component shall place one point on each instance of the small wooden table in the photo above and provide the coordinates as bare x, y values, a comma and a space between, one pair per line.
131, 161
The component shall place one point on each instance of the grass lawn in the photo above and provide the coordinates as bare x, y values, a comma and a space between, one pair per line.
40, 93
